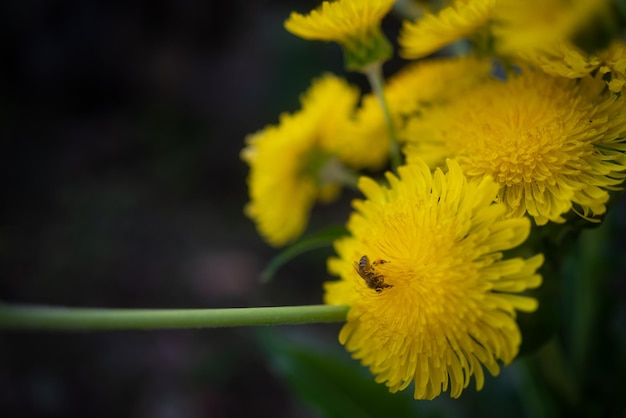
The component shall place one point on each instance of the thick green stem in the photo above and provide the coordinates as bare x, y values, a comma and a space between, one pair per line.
87, 319
374, 74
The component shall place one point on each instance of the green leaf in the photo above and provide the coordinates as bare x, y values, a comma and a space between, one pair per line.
322, 239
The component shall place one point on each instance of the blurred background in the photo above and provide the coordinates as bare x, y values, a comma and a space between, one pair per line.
122, 187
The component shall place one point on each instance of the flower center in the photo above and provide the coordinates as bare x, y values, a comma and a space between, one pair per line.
515, 154
518, 137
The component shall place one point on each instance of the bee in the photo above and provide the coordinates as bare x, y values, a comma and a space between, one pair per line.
367, 272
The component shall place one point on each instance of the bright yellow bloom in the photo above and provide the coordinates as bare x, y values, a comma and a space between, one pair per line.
544, 34
340, 21
552, 144
536, 24
418, 85
365, 140
424, 83
293, 164
461, 19
441, 303
563, 59
560, 58
354, 24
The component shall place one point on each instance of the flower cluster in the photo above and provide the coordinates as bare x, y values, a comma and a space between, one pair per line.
526, 127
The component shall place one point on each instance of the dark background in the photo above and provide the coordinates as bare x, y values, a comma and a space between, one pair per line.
121, 125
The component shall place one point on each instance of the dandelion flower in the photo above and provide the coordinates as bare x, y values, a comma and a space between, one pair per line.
552, 144
353, 24
439, 300
418, 85
554, 35
425, 82
564, 59
293, 164
535, 24
560, 58
461, 19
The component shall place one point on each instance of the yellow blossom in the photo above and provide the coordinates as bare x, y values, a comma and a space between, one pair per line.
294, 164
552, 144
436, 301
354, 24
365, 139
418, 85
560, 58
460, 19
537, 24
549, 34
563, 59
423, 83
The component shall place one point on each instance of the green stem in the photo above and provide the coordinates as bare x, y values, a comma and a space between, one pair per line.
585, 283
374, 74
87, 319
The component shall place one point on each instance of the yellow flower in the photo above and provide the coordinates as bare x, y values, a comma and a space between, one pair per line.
293, 164
563, 59
551, 35
460, 19
365, 140
535, 24
560, 58
552, 144
418, 85
423, 83
354, 24
441, 300
340, 21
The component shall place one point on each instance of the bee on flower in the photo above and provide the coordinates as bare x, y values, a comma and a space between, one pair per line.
368, 273
445, 305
